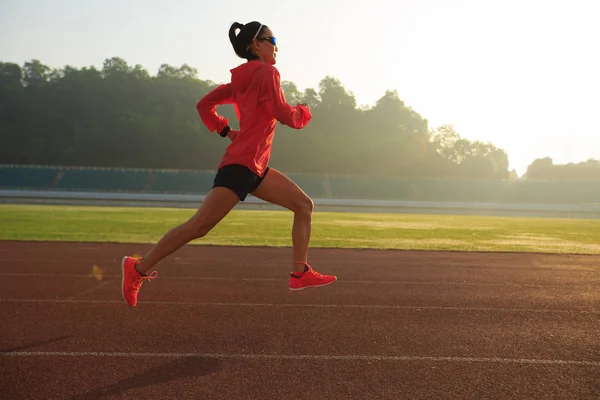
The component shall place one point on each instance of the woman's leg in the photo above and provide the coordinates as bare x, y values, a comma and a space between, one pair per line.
278, 189
217, 204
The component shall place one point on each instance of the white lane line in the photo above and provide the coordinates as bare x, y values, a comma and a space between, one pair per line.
283, 305
87, 291
300, 357
339, 281
430, 266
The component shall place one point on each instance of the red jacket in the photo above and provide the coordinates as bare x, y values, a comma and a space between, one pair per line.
259, 102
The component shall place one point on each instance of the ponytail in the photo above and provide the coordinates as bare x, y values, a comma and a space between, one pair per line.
241, 41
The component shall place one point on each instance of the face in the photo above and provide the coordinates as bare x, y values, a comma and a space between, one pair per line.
264, 47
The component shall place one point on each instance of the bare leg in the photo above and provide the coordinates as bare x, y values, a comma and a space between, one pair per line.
217, 204
278, 189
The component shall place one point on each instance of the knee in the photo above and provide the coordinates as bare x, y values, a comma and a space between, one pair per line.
305, 206
201, 232
196, 229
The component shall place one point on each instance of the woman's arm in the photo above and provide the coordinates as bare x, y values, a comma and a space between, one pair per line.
293, 116
207, 107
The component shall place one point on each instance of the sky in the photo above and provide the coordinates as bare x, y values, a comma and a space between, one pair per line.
522, 74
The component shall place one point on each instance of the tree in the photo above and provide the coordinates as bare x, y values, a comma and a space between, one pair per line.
476, 159
545, 169
120, 115
291, 92
444, 139
311, 98
540, 168
35, 73
115, 66
11, 77
334, 95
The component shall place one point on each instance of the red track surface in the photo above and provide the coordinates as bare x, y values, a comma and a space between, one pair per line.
219, 323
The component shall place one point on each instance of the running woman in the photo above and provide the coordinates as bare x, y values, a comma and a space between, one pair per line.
259, 102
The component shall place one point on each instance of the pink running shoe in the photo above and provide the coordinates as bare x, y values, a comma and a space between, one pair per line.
132, 280
309, 278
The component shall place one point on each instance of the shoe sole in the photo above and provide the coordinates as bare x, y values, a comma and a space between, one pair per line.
313, 286
123, 279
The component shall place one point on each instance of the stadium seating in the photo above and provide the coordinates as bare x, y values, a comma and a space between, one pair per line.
106, 180
184, 182
313, 184
316, 185
27, 177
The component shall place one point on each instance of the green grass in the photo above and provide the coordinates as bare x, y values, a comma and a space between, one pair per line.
273, 228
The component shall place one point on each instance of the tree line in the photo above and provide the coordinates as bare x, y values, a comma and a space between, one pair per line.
121, 116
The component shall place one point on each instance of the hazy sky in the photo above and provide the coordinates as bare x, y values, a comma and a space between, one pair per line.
523, 74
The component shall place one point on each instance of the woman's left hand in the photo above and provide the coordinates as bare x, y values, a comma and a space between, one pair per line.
232, 134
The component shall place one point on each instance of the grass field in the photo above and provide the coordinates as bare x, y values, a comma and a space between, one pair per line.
272, 228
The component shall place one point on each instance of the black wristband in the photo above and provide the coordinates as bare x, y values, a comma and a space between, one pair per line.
225, 131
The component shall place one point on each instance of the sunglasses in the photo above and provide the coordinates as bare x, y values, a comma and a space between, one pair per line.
270, 39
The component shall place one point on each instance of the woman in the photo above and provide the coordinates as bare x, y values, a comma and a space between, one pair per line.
259, 103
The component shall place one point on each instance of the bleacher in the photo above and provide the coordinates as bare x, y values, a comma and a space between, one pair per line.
105, 180
27, 177
183, 182
316, 185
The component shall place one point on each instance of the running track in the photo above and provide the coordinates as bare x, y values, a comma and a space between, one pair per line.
219, 323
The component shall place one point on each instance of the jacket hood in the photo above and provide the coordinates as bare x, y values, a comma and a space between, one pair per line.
241, 76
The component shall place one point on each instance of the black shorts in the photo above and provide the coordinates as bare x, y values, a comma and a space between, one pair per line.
238, 178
